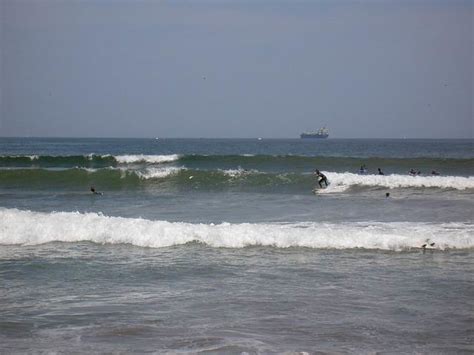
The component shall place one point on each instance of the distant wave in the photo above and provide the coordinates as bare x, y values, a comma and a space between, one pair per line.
88, 160
255, 180
247, 161
19, 227
153, 159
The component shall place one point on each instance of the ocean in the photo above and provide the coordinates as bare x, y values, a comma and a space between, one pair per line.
227, 246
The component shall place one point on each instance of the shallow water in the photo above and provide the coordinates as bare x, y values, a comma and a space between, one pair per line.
80, 297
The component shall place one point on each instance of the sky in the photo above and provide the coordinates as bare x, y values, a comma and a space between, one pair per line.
236, 69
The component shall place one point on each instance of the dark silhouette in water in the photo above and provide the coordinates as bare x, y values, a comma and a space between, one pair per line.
363, 170
427, 245
95, 192
323, 178
380, 172
387, 194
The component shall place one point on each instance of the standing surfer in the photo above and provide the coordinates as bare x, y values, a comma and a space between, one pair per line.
322, 178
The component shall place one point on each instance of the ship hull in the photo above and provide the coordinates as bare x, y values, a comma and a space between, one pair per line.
317, 136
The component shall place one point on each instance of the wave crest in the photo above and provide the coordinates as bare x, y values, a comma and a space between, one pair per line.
19, 227
183, 177
152, 159
346, 180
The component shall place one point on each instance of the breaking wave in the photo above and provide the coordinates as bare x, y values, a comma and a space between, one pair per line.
19, 227
89, 160
275, 163
152, 159
342, 181
182, 177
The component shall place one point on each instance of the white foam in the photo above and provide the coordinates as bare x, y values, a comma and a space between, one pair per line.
153, 159
31, 228
331, 188
396, 181
238, 172
144, 174
89, 170
157, 173
92, 156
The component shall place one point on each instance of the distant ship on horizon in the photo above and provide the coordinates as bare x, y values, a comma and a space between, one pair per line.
320, 133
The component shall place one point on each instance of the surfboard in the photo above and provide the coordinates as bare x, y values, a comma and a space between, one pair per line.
317, 188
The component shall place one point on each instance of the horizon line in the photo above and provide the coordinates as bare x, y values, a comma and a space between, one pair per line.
256, 138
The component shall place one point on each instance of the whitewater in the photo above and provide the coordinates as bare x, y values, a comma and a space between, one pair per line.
401, 181
32, 228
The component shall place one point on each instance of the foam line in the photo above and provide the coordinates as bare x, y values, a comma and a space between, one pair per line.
158, 173
19, 227
400, 181
153, 159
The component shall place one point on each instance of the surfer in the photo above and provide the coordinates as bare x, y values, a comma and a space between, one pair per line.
363, 170
428, 245
95, 192
322, 178
380, 172
434, 172
387, 194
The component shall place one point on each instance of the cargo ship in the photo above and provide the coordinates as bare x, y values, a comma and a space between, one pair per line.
320, 133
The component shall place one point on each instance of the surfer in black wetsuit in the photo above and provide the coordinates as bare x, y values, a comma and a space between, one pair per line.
381, 172
322, 178
363, 170
95, 192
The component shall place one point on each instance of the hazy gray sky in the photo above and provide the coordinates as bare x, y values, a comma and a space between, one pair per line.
103, 68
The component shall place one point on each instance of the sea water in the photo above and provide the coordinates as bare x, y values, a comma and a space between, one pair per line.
222, 246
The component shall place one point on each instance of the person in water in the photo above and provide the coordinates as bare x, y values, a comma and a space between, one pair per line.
95, 192
363, 170
322, 178
381, 172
